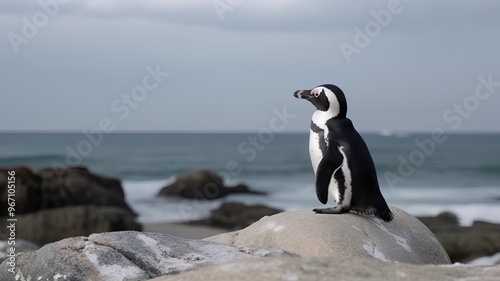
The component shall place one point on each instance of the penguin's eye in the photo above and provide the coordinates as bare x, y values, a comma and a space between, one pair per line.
315, 94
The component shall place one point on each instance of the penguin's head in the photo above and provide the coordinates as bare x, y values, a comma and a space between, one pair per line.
328, 98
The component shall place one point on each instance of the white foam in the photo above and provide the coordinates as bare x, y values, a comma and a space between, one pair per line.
466, 213
142, 197
468, 204
495, 259
137, 190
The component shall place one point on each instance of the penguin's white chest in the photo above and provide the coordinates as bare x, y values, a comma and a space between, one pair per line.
319, 119
316, 155
314, 150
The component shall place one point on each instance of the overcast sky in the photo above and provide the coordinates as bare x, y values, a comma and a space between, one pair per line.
232, 64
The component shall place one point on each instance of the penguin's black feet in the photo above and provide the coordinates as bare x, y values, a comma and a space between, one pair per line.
339, 209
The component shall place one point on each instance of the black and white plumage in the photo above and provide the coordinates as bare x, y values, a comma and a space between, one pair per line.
340, 158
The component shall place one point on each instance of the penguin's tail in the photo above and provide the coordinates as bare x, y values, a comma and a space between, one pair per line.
384, 214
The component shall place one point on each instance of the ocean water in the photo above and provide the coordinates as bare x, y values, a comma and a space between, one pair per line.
418, 173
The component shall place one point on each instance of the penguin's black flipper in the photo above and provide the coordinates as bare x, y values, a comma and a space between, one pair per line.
329, 164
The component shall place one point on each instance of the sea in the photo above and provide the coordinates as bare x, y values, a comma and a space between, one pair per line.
422, 173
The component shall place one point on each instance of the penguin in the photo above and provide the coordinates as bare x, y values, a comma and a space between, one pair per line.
340, 158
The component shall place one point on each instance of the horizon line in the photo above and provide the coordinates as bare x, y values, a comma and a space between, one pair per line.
384, 132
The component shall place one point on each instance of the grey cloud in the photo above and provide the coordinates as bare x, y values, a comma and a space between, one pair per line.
261, 15
428, 57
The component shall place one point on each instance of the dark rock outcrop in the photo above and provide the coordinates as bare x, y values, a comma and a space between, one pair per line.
28, 190
203, 185
234, 215
51, 188
56, 203
51, 225
464, 244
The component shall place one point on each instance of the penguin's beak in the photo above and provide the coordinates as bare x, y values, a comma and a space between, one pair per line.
303, 94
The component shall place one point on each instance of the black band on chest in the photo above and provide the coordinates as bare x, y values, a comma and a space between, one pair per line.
321, 134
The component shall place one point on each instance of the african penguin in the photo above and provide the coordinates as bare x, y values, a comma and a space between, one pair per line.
340, 158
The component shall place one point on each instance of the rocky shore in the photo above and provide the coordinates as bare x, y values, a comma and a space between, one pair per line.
464, 243
333, 268
296, 245
235, 216
53, 204
87, 231
203, 185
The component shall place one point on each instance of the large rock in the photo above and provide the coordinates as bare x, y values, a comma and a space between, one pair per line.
203, 184
233, 215
126, 255
350, 235
334, 268
464, 244
51, 188
51, 225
